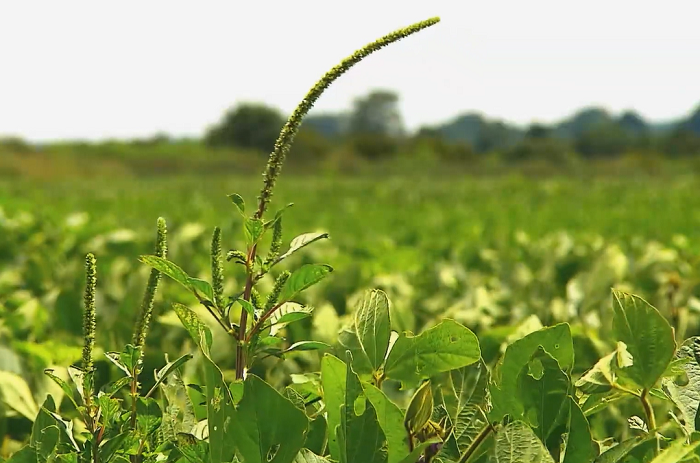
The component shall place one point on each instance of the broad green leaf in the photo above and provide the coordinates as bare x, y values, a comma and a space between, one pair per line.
637, 448
302, 241
348, 341
333, 380
390, 419
269, 428
178, 414
444, 347
26, 454
316, 438
676, 452
686, 394
373, 327
47, 442
148, 416
360, 436
302, 278
307, 456
202, 289
647, 335
43, 420
168, 369
238, 201
221, 414
15, 393
465, 395
420, 408
193, 449
516, 443
67, 390
167, 268
287, 313
247, 306
414, 456
543, 392
579, 443
555, 340
126, 360
253, 229
305, 345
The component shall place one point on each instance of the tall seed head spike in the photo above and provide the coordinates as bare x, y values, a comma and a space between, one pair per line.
89, 315
146, 312
291, 127
217, 268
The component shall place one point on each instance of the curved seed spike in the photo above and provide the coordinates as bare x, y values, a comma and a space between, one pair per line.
291, 127
217, 269
146, 312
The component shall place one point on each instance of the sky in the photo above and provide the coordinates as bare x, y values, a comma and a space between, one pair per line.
95, 69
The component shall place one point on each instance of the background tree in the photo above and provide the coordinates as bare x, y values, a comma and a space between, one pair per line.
248, 125
377, 113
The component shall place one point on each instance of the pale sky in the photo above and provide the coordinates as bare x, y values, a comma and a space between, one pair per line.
97, 69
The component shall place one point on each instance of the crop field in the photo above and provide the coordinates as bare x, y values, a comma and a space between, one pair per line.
502, 256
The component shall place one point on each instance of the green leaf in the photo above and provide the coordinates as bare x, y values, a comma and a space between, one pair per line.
307, 456
287, 313
348, 341
444, 347
360, 437
414, 456
464, 393
316, 437
221, 414
270, 428
685, 392
127, 360
148, 416
167, 268
253, 229
516, 443
300, 242
167, 370
373, 327
420, 408
67, 390
26, 454
302, 278
15, 393
555, 340
306, 345
193, 449
238, 201
637, 448
676, 451
201, 289
579, 443
47, 442
42, 421
333, 380
544, 390
648, 336
390, 419
247, 306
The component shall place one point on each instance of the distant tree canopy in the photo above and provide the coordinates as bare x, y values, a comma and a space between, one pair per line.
248, 125
377, 113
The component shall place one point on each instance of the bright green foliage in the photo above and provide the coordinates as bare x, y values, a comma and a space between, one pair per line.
373, 327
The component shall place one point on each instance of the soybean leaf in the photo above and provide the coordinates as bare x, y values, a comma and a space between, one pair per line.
647, 335
444, 347
238, 201
348, 341
316, 437
390, 418
307, 456
26, 454
270, 428
685, 392
221, 414
639, 448
373, 326
555, 340
676, 452
464, 392
579, 443
43, 420
333, 381
516, 443
15, 393
414, 456
148, 416
360, 437
302, 278
543, 390
193, 449
47, 442
420, 408
300, 242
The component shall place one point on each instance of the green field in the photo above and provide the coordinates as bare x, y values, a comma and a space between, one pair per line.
489, 252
